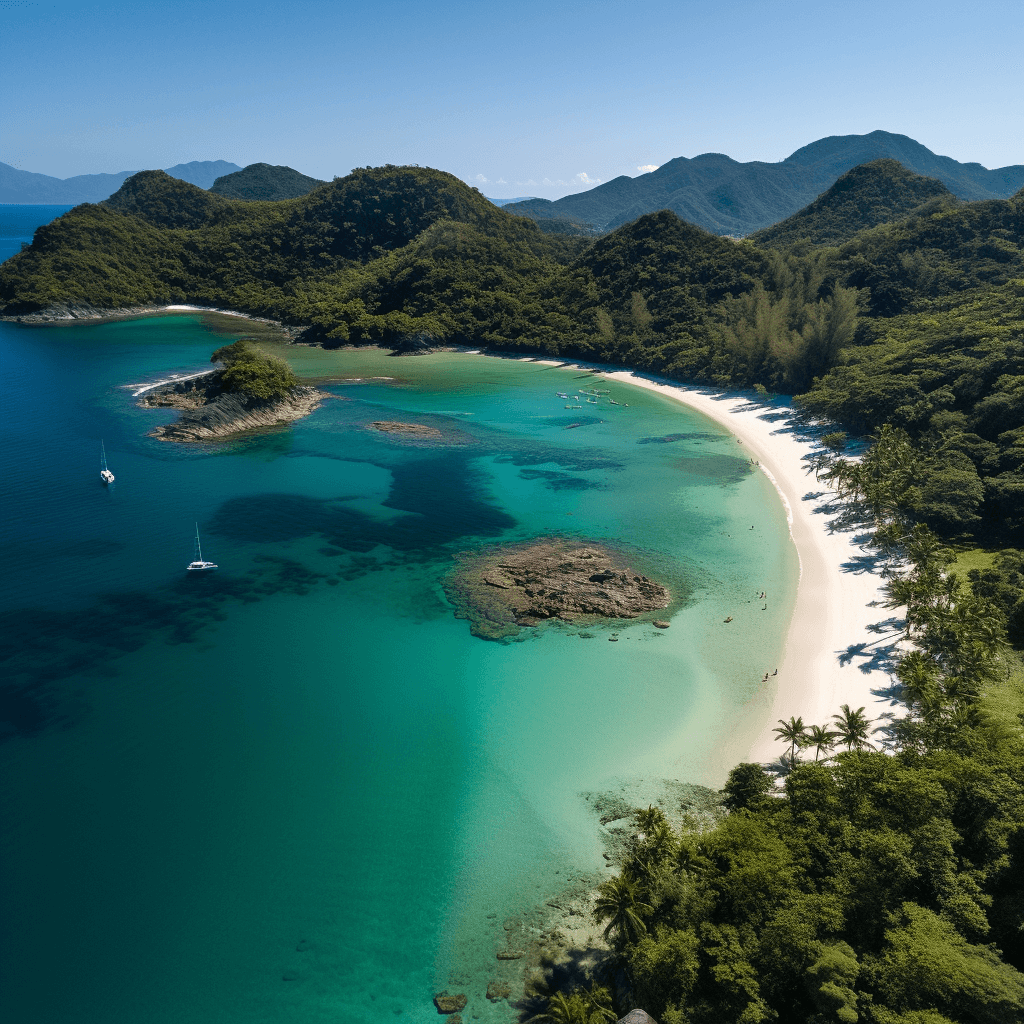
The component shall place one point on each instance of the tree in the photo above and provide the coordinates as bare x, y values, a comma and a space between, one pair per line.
619, 904
853, 728
791, 732
821, 738
748, 787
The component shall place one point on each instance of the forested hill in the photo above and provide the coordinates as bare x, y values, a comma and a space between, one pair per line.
392, 253
265, 182
871, 194
731, 198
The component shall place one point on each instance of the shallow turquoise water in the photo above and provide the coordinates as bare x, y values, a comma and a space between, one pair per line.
296, 791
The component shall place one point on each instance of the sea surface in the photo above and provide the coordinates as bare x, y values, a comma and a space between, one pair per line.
299, 789
18, 223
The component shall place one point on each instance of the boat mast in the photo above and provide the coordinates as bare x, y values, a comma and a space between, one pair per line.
198, 546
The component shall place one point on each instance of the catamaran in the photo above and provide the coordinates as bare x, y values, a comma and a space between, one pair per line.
197, 564
105, 475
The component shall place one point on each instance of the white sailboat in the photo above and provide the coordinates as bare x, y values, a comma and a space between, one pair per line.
197, 564
105, 475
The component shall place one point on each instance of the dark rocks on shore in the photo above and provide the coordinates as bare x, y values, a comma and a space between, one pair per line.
449, 1004
501, 590
208, 411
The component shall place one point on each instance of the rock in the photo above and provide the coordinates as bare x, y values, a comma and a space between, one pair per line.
449, 1004
498, 990
637, 1017
509, 954
303, 946
289, 976
418, 430
504, 588
208, 411
662, 624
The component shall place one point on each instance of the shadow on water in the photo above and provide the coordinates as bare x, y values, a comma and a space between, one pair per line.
440, 496
442, 501
556, 481
43, 647
720, 469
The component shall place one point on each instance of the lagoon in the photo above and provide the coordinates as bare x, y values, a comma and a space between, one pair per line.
300, 790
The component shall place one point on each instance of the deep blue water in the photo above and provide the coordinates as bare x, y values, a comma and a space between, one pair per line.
18, 224
299, 790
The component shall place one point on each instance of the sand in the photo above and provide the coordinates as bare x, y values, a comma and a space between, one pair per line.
840, 642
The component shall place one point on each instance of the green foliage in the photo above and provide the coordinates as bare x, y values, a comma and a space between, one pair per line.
264, 182
253, 373
871, 194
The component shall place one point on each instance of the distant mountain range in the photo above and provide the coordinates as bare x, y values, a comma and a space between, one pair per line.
505, 202
26, 187
730, 198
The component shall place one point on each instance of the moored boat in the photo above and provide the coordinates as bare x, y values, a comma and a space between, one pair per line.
105, 475
198, 564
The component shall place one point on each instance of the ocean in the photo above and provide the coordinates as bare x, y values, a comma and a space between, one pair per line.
299, 789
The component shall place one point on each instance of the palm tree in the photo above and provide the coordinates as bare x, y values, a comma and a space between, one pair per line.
792, 732
648, 821
853, 728
579, 1007
821, 738
619, 904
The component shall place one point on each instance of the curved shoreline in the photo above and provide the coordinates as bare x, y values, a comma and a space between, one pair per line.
834, 653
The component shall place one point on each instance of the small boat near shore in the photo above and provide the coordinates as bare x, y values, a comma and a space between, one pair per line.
105, 475
198, 564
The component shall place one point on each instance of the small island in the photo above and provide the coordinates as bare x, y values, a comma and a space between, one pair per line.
252, 390
500, 590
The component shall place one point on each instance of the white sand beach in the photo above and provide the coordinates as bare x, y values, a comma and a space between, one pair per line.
835, 651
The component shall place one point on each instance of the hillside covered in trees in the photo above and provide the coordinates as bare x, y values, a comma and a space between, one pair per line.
871, 886
266, 182
731, 198
887, 300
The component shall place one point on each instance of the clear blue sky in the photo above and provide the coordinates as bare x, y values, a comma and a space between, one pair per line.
538, 98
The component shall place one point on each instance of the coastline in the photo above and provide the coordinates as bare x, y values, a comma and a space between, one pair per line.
835, 651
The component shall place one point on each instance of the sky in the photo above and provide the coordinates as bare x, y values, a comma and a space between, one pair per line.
532, 98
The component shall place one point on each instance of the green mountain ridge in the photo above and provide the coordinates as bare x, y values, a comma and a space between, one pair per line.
871, 194
731, 198
265, 182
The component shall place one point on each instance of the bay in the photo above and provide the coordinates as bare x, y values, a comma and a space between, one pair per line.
300, 789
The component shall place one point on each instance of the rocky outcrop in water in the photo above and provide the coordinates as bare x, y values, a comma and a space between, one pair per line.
419, 430
501, 590
208, 411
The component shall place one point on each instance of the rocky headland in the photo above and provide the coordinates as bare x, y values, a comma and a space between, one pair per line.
209, 411
500, 590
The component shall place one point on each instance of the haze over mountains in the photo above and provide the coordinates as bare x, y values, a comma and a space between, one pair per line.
27, 187
730, 198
